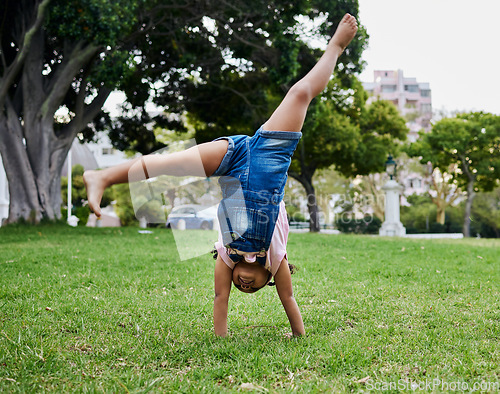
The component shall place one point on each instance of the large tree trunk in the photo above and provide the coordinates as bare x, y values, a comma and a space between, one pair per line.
32, 153
440, 214
24, 202
33, 175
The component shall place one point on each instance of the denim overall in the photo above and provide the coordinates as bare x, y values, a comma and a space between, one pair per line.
253, 175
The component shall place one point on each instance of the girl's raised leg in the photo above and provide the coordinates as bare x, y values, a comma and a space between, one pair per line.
201, 160
290, 114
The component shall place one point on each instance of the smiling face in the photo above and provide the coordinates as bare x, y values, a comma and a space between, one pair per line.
250, 257
249, 277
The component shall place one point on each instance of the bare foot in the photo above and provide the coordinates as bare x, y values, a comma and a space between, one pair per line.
95, 188
345, 32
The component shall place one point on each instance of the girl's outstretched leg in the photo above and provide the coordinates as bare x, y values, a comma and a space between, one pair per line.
201, 160
290, 114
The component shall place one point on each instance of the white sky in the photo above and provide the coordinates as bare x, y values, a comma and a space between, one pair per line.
452, 44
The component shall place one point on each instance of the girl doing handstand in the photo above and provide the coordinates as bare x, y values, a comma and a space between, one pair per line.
253, 170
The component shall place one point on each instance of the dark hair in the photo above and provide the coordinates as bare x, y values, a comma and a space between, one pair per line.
291, 267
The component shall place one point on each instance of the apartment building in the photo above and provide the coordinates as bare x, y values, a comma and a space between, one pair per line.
412, 98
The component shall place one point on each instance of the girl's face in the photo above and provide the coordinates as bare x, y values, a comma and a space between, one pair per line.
248, 275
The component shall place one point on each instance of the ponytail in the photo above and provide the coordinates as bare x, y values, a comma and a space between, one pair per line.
292, 269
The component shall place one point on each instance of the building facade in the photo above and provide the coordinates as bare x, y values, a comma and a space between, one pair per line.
412, 98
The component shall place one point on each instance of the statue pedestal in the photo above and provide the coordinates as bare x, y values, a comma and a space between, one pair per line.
392, 226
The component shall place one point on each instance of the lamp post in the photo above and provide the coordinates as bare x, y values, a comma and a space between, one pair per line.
392, 226
390, 167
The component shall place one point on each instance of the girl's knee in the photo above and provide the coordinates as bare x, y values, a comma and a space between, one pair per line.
301, 93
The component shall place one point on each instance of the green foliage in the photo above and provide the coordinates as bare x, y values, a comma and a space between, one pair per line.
367, 225
470, 145
123, 205
153, 211
469, 141
294, 214
133, 133
329, 137
340, 130
102, 22
78, 193
420, 216
82, 213
382, 131
236, 70
486, 214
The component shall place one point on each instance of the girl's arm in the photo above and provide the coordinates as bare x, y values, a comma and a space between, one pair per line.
223, 278
283, 281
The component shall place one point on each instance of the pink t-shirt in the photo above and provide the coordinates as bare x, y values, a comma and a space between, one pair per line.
277, 249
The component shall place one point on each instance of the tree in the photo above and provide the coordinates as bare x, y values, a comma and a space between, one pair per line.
369, 193
443, 193
341, 130
71, 54
258, 51
486, 213
470, 142
55, 54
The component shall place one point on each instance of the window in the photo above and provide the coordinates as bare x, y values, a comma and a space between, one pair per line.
185, 211
411, 88
388, 88
425, 108
107, 151
415, 183
425, 93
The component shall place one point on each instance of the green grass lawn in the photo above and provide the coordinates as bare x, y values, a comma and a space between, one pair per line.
117, 311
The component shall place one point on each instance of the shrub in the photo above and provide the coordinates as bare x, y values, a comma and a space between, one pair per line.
367, 225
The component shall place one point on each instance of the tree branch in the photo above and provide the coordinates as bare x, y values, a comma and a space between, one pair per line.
83, 116
91, 110
466, 169
15, 66
62, 81
232, 91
